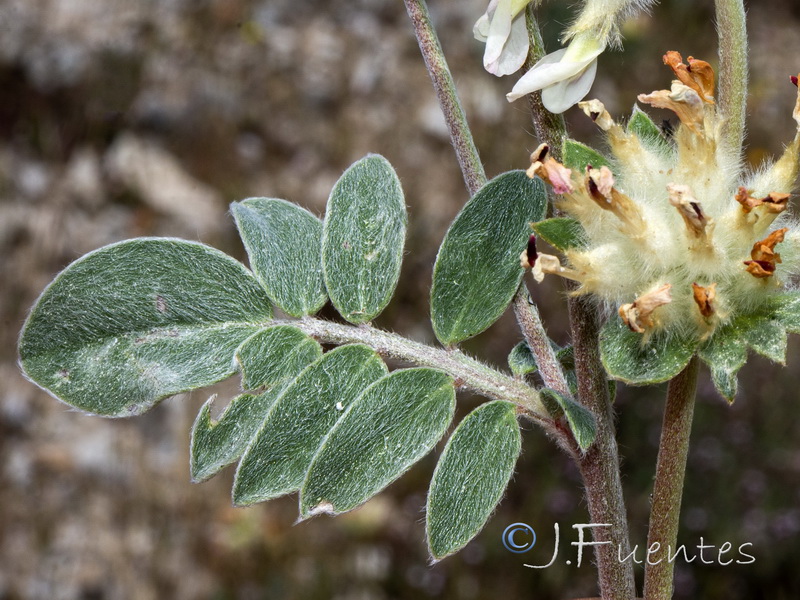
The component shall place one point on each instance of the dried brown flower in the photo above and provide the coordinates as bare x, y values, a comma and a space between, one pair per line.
704, 297
763, 255
638, 314
698, 74
550, 170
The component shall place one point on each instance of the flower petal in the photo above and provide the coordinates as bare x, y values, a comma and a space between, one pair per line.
499, 31
561, 96
481, 27
514, 52
546, 72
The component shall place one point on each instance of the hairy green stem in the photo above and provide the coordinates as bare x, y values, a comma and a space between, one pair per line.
539, 343
600, 466
470, 374
550, 128
668, 486
732, 32
460, 134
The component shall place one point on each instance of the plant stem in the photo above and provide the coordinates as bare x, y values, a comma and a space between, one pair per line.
600, 466
550, 128
668, 486
539, 343
460, 134
732, 32
470, 374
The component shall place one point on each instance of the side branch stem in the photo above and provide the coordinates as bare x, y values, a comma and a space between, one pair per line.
470, 374
460, 134
668, 486
732, 32
535, 336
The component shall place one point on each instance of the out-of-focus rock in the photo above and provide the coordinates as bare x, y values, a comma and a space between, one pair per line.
162, 183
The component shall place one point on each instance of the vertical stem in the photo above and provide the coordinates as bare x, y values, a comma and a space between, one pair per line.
732, 32
668, 486
600, 467
460, 134
550, 128
535, 336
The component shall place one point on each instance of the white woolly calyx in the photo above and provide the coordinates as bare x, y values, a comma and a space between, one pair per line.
676, 236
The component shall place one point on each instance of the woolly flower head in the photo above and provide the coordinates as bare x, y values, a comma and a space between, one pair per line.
690, 251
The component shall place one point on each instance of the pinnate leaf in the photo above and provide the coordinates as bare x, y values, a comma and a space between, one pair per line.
275, 355
215, 445
477, 270
278, 457
270, 359
471, 476
363, 238
392, 425
135, 322
283, 242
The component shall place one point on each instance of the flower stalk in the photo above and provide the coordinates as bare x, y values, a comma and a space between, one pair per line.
550, 128
668, 487
732, 32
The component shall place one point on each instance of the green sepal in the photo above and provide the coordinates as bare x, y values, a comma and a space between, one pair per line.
363, 238
581, 421
562, 233
477, 270
471, 476
138, 321
393, 424
764, 331
283, 242
646, 130
577, 156
631, 358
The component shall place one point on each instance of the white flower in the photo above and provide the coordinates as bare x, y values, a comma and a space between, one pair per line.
503, 29
565, 76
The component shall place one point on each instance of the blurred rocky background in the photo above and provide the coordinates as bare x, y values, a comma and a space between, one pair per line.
122, 119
